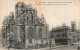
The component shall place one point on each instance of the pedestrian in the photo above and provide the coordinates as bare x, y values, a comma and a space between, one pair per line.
78, 48
9, 47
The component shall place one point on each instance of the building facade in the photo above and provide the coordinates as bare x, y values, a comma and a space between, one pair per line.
64, 35
7, 30
60, 35
74, 32
25, 27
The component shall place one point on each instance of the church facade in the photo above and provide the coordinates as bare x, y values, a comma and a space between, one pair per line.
25, 27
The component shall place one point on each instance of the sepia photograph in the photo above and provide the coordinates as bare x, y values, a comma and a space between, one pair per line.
39, 24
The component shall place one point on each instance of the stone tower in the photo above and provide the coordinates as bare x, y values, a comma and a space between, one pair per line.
73, 26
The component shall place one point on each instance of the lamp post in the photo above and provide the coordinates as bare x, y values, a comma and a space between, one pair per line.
50, 44
36, 43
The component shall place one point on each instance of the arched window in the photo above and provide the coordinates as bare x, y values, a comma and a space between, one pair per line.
3, 35
22, 31
40, 32
30, 16
30, 32
30, 40
15, 32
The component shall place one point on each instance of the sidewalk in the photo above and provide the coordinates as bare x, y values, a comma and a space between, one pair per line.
48, 48
60, 46
3, 48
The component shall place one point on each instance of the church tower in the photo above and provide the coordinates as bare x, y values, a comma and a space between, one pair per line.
73, 26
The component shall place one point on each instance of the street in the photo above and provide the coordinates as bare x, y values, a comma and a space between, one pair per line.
53, 48
65, 48
62, 48
59, 48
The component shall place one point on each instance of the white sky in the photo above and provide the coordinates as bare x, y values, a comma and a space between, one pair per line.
55, 15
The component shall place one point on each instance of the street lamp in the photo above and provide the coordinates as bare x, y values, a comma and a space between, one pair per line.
50, 43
